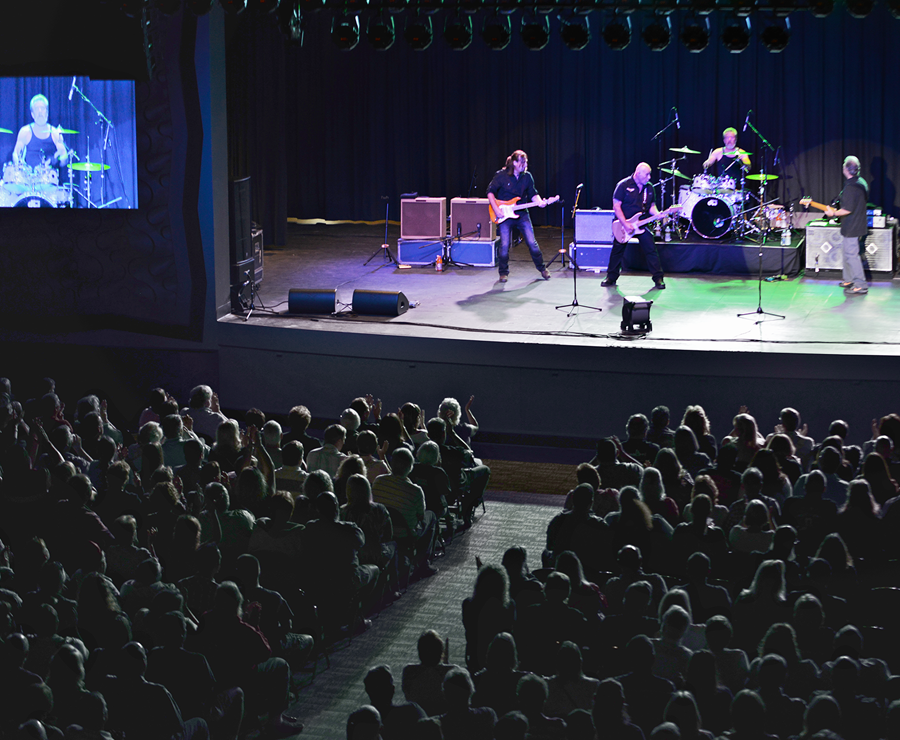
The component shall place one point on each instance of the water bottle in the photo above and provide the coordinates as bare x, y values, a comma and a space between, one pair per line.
668, 232
785, 237
439, 264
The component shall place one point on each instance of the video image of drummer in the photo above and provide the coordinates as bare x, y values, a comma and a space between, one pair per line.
67, 142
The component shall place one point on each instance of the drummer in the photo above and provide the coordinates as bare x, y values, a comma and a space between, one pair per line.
39, 141
729, 159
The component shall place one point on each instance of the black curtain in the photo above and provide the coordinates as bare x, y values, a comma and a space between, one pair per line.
362, 124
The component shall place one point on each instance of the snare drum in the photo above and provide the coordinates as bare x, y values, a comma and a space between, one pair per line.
712, 217
17, 178
46, 178
34, 201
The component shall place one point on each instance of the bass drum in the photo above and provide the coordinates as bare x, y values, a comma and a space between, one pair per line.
34, 201
712, 218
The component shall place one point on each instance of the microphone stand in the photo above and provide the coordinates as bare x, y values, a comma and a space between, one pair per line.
106, 128
658, 138
385, 248
575, 305
562, 230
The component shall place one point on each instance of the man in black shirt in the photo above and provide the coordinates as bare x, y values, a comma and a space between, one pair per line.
854, 227
514, 181
635, 195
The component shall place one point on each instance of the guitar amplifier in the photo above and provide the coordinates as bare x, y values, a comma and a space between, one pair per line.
423, 218
594, 226
824, 249
468, 213
589, 257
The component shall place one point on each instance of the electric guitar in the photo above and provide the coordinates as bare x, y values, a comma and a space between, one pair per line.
508, 208
811, 202
622, 235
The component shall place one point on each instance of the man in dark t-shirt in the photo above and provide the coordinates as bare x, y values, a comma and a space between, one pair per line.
854, 227
635, 195
515, 181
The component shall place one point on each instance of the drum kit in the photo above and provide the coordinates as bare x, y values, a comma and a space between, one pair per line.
23, 186
714, 207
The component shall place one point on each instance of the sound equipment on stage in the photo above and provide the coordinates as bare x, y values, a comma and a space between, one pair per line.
590, 257
472, 218
379, 302
418, 251
256, 242
478, 253
240, 221
423, 218
305, 300
594, 226
241, 285
824, 250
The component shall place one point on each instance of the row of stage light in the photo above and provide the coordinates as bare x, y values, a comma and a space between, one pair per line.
350, 24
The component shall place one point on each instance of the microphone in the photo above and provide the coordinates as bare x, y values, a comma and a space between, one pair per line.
72, 89
747, 119
579, 186
777, 152
677, 122
458, 229
478, 226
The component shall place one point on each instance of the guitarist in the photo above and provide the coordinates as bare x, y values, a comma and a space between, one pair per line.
635, 195
515, 181
854, 226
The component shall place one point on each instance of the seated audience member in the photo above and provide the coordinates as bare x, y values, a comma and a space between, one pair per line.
42, 624
392, 434
707, 599
466, 430
233, 526
823, 715
616, 467
653, 493
66, 680
630, 564
659, 432
423, 681
760, 605
699, 535
876, 472
412, 522
790, 426
606, 500
291, 475
531, 694
580, 725
637, 445
495, 684
776, 484
725, 478
278, 542
754, 532
373, 519
486, 613
468, 477
364, 724
860, 715
240, 656
783, 449
138, 593
580, 531
746, 438
682, 710
350, 465
156, 400
670, 655
431, 478
365, 407
748, 718
189, 473
414, 423
367, 445
617, 630
611, 715
687, 450
843, 580
646, 694
398, 718
124, 557
784, 714
584, 595
812, 516
634, 524
524, 588
174, 440
859, 523
874, 675
462, 721
751, 490
271, 438
814, 637
541, 628
676, 480
203, 408
829, 461
101, 620
52, 582
713, 699
228, 449
350, 421
569, 689
200, 589
333, 571
696, 420
299, 419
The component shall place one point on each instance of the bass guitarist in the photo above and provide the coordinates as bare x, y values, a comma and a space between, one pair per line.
634, 195
515, 181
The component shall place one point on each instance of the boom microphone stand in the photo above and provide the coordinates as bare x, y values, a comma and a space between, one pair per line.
385, 247
562, 229
574, 305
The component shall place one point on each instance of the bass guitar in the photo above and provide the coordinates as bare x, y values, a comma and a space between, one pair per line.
811, 202
508, 208
622, 235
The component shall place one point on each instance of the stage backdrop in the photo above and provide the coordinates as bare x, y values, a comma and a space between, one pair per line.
326, 133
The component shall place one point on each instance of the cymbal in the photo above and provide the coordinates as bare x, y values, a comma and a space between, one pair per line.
677, 173
89, 166
683, 150
762, 177
5, 131
67, 131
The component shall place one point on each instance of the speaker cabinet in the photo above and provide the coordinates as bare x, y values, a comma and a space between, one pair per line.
418, 251
241, 281
423, 218
256, 243
239, 233
379, 302
824, 249
471, 218
594, 226
591, 257
478, 253
303, 300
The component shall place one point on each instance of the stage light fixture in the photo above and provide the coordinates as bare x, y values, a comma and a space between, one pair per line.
345, 31
744, 8
507, 7
419, 33
894, 8
496, 32
736, 35
821, 8
429, 7
380, 32
636, 315
310, 6
265, 7
168, 7
860, 8
617, 33
665, 7
394, 6
355, 6
703, 7
576, 35
199, 7
233, 7
658, 33
471, 6
292, 23
775, 37
535, 32
695, 34
458, 32
625, 7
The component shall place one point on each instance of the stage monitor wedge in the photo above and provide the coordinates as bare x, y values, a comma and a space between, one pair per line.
305, 300
423, 218
379, 302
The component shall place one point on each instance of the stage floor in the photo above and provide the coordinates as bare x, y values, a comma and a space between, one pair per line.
695, 312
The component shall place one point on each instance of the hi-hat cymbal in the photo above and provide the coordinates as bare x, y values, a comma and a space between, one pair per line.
677, 173
765, 178
683, 150
89, 166
67, 131
5, 131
